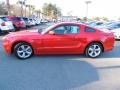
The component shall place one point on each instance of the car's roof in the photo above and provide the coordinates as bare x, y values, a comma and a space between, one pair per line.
61, 23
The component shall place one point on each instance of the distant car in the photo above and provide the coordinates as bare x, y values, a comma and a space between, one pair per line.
18, 22
37, 21
27, 21
54, 20
116, 33
104, 25
94, 24
32, 22
44, 21
61, 38
5, 25
111, 26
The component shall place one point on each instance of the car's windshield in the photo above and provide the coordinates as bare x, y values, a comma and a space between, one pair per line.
45, 29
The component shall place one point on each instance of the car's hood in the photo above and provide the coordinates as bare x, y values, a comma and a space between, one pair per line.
24, 33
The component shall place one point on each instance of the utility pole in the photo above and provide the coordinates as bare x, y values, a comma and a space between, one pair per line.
8, 7
87, 3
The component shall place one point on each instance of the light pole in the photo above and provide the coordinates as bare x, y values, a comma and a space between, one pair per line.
23, 2
87, 3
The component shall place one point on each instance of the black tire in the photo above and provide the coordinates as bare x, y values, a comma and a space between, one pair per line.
98, 50
18, 46
15, 27
1, 32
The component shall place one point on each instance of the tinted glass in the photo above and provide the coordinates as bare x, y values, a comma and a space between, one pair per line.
26, 19
67, 29
87, 29
59, 30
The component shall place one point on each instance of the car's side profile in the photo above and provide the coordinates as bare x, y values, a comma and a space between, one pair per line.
61, 38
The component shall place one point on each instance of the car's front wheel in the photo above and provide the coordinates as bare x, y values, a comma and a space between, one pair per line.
93, 50
23, 50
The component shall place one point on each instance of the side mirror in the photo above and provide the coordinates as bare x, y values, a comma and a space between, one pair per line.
51, 32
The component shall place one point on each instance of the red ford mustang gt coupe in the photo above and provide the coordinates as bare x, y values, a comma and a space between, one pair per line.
61, 38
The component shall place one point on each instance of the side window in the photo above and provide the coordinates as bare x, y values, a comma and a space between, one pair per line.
87, 29
67, 29
59, 30
74, 30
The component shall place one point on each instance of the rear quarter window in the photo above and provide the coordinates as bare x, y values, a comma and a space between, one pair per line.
88, 29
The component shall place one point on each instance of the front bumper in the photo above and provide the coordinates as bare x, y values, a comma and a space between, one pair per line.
7, 46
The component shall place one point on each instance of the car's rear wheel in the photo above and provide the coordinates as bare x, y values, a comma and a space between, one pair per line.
93, 50
23, 50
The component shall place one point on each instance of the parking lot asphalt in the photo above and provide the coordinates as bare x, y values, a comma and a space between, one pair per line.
60, 72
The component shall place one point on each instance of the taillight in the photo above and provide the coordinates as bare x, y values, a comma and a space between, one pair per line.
3, 24
20, 22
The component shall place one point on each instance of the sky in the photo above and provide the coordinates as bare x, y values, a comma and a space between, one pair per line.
100, 8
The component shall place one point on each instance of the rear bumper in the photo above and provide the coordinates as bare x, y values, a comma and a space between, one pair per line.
20, 26
6, 28
109, 44
10, 30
